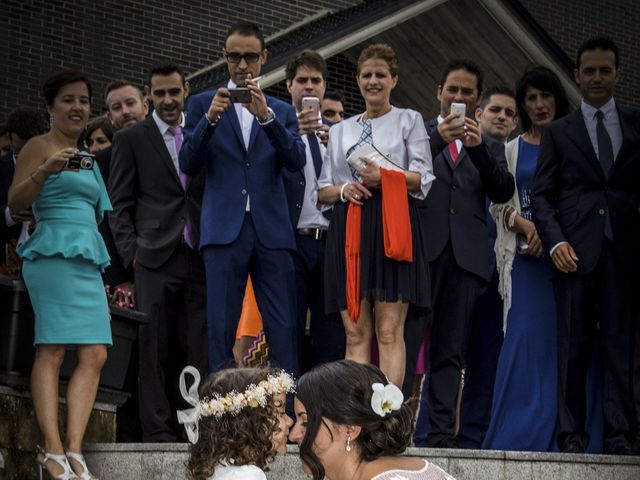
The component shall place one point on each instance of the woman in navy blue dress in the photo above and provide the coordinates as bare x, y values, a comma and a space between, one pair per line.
524, 406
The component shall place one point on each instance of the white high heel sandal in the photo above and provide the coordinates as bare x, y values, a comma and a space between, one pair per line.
61, 460
86, 474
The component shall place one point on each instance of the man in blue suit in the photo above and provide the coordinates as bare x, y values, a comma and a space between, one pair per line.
245, 226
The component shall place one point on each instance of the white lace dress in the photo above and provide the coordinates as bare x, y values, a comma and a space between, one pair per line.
428, 472
241, 472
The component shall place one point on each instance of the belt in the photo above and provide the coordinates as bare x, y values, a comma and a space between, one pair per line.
316, 233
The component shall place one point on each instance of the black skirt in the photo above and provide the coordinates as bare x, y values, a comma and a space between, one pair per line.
381, 278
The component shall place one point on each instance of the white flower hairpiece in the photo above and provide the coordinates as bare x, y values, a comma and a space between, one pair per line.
232, 403
386, 398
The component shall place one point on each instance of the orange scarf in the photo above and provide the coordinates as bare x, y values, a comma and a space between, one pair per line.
396, 228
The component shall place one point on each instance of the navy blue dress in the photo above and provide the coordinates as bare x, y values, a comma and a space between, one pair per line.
524, 409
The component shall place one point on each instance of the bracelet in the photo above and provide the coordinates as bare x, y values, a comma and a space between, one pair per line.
342, 199
512, 219
34, 180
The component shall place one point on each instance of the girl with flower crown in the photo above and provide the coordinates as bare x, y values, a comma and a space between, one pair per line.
351, 423
238, 422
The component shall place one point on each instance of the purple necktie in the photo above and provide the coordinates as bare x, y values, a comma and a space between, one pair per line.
177, 135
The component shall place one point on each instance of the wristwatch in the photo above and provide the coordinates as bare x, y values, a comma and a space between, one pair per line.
270, 116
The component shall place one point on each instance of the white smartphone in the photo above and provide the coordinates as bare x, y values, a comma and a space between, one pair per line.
460, 109
313, 103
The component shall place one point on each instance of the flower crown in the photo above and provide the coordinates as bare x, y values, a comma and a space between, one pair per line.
232, 403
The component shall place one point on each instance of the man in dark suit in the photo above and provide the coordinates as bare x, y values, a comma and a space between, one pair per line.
469, 168
586, 195
306, 74
156, 209
22, 124
126, 106
246, 229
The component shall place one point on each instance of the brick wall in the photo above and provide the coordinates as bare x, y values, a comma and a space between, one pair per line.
110, 39
570, 22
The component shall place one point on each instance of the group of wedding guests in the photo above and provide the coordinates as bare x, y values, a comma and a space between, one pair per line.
405, 234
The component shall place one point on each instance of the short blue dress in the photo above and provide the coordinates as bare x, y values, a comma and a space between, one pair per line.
64, 258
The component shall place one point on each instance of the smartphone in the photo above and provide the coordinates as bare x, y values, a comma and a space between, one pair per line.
313, 103
460, 109
240, 95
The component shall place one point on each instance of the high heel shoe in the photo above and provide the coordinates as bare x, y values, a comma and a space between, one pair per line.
61, 460
86, 474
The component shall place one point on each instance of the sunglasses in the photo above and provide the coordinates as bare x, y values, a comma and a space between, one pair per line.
333, 113
235, 57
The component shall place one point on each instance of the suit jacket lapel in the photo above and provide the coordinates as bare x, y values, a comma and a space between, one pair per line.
235, 123
577, 132
628, 141
155, 138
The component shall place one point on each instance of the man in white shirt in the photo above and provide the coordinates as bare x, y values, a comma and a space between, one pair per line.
306, 78
585, 202
155, 224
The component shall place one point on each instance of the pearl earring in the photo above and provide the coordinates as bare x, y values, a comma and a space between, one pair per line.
348, 443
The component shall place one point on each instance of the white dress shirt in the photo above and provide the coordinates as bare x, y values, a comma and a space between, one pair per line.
169, 139
311, 215
611, 123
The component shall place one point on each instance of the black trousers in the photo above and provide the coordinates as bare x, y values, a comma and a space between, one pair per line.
326, 341
598, 304
173, 297
454, 293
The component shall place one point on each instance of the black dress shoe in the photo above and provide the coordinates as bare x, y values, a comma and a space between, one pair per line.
572, 447
621, 449
447, 442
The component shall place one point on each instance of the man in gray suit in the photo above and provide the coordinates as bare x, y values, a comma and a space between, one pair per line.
155, 218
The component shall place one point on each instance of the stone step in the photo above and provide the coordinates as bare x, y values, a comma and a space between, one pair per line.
136, 461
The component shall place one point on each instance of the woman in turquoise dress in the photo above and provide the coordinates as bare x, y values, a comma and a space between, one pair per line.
524, 409
62, 265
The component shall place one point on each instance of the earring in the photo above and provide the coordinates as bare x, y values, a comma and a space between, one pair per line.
51, 120
348, 443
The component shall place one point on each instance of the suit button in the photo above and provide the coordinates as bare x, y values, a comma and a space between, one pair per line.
453, 187
302, 183
244, 192
452, 211
601, 211
247, 164
298, 205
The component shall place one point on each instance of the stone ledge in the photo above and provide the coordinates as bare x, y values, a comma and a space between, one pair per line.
166, 461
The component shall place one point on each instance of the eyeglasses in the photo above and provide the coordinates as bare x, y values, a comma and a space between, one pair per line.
235, 57
332, 113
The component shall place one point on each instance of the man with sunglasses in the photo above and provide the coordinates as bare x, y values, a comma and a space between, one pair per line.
245, 226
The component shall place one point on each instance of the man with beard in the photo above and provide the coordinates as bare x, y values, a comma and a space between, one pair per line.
156, 210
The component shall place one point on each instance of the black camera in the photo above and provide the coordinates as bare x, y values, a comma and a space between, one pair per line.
81, 160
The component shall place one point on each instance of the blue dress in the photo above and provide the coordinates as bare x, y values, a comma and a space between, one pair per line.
525, 396
64, 258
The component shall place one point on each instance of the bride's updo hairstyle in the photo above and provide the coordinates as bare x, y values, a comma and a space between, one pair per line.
342, 392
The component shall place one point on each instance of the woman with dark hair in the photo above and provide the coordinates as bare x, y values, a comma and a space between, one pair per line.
62, 263
524, 408
99, 134
374, 216
238, 423
352, 423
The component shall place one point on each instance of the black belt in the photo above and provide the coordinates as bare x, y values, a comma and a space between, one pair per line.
316, 233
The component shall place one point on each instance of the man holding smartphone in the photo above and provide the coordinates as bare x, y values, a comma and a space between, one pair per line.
306, 74
468, 168
245, 229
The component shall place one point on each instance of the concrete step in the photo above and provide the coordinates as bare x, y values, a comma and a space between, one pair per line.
135, 461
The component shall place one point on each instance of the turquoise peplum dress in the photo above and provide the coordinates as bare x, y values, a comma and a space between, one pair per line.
64, 258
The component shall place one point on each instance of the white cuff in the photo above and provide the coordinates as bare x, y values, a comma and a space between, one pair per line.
8, 218
556, 246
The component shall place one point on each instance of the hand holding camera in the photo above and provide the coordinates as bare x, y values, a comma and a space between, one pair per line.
219, 104
81, 161
58, 161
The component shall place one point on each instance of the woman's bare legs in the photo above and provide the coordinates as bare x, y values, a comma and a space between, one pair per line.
81, 395
359, 334
45, 376
389, 321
